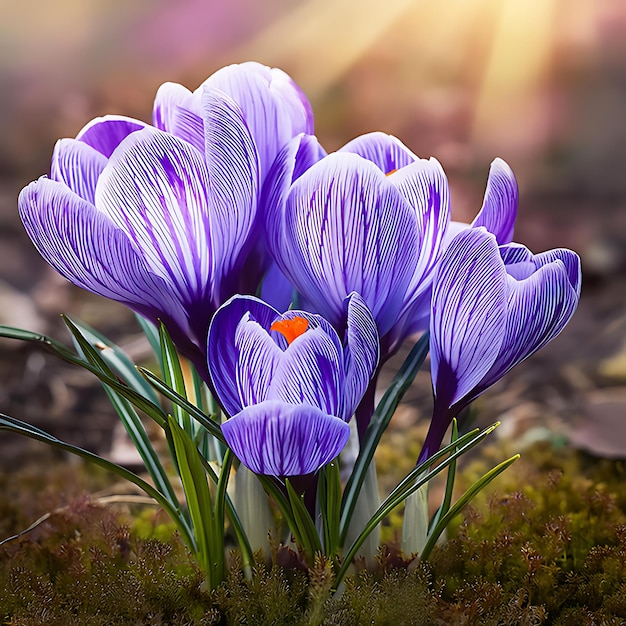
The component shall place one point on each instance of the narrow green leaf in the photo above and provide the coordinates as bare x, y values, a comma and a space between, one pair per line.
198, 498
173, 376
211, 425
329, 498
379, 422
417, 477
462, 502
242, 539
13, 425
117, 360
306, 527
96, 364
447, 496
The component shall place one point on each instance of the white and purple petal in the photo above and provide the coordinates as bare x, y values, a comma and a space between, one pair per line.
469, 314
258, 358
105, 134
311, 372
386, 151
425, 187
361, 352
499, 208
78, 165
233, 165
274, 107
277, 439
83, 245
156, 189
539, 307
223, 354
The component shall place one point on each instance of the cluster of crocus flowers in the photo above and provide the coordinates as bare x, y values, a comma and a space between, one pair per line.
228, 186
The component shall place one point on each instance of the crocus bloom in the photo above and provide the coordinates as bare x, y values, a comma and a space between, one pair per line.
158, 225
492, 308
345, 225
288, 382
164, 222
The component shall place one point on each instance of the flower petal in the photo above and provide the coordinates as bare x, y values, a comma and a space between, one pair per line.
233, 164
425, 187
386, 151
311, 372
469, 314
223, 354
155, 188
78, 165
274, 107
361, 353
169, 97
278, 439
83, 245
499, 208
106, 133
539, 307
258, 357
345, 228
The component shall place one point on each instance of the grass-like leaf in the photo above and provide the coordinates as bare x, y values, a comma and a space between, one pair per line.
377, 426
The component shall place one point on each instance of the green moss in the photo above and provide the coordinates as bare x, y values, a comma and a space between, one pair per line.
545, 545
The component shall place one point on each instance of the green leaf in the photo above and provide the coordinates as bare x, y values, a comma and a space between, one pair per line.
329, 498
198, 498
211, 425
417, 477
22, 428
447, 496
117, 360
173, 377
152, 334
96, 364
379, 422
306, 527
462, 502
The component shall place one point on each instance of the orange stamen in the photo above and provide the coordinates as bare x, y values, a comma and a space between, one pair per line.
390, 172
290, 328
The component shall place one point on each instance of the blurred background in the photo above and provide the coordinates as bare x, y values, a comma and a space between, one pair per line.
540, 83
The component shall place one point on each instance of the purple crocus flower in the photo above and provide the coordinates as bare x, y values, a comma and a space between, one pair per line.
157, 225
288, 382
492, 308
165, 222
340, 223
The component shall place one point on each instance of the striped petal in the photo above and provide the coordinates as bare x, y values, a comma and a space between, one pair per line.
386, 151
539, 307
425, 187
277, 439
233, 165
274, 107
311, 372
258, 358
78, 165
499, 208
361, 353
83, 245
469, 315
155, 189
106, 133
345, 228
223, 354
